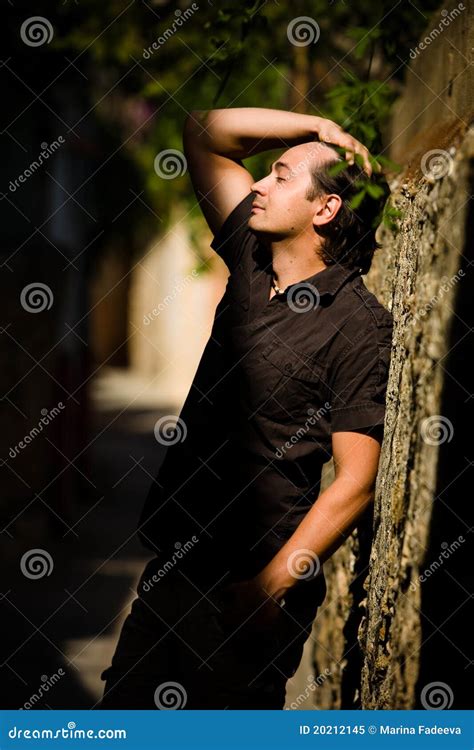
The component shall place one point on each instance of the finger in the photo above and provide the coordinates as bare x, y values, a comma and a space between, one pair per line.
364, 154
367, 165
350, 157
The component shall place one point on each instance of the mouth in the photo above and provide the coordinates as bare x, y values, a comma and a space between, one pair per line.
255, 207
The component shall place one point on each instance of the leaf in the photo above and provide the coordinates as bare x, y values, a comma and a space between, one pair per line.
357, 199
375, 191
384, 161
337, 168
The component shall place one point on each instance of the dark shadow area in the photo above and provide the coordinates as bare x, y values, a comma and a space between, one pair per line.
350, 685
60, 628
446, 620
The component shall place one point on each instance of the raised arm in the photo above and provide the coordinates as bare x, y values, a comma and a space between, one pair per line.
216, 141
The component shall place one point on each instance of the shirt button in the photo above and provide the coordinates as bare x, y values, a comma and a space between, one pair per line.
288, 367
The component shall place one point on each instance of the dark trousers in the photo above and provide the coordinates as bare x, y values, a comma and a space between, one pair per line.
174, 653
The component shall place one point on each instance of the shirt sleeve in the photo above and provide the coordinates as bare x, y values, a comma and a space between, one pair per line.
231, 240
358, 381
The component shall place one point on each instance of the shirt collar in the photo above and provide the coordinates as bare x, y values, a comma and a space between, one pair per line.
330, 279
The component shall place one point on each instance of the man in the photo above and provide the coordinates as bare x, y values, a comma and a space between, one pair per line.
294, 372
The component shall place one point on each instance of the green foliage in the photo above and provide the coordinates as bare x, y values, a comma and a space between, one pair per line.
371, 194
236, 54
361, 108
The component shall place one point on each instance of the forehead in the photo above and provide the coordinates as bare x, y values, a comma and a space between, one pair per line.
304, 155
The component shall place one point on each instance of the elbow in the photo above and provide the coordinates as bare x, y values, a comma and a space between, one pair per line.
358, 487
193, 118
195, 127
366, 493
357, 496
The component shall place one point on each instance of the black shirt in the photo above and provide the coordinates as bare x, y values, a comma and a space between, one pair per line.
277, 377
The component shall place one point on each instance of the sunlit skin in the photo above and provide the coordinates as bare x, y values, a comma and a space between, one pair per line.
285, 221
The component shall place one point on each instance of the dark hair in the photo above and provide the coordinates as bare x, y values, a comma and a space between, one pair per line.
349, 239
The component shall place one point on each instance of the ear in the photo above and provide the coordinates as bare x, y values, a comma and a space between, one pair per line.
327, 209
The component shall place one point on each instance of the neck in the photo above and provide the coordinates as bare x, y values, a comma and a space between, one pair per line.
293, 261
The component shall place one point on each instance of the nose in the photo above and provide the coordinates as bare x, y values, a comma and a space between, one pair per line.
258, 187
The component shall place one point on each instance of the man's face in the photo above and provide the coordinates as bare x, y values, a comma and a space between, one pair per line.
283, 211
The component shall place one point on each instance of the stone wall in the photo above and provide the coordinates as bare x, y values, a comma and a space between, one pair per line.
368, 636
